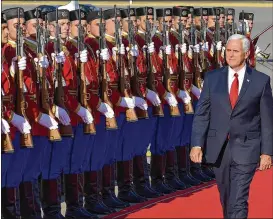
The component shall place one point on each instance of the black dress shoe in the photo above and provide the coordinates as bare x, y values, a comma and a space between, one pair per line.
188, 179
161, 187
131, 196
198, 174
208, 171
113, 202
147, 192
176, 183
79, 213
99, 208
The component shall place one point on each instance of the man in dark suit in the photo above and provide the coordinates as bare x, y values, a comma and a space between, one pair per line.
233, 126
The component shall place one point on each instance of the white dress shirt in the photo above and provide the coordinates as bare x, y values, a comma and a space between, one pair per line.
241, 75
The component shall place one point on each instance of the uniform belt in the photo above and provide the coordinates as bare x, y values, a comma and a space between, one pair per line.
96, 92
114, 85
73, 92
8, 98
174, 77
32, 96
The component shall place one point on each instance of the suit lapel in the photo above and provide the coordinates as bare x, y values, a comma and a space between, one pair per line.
245, 85
224, 83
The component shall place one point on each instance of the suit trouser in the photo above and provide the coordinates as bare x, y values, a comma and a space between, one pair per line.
233, 181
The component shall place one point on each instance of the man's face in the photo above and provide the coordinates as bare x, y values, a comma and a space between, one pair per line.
211, 22
141, 23
250, 24
168, 21
110, 26
230, 19
189, 21
197, 21
5, 33
64, 25
31, 26
94, 27
125, 23
235, 55
12, 25
222, 21
74, 28
206, 18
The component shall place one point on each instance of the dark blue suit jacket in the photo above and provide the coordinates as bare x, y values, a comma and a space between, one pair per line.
249, 125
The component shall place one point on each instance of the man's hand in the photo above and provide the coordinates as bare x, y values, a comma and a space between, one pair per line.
265, 162
196, 154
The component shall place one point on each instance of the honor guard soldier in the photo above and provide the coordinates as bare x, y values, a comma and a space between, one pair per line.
138, 82
231, 14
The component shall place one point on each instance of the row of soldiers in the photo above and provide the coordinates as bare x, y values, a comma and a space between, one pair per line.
85, 93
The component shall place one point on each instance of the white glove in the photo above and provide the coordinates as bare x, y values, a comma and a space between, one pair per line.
105, 109
21, 124
184, 96
219, 45
104, 54
196, 48
127, 102
22, 64
140, 103
205, 47
168, 50
153, 97
59, 58
48, 122
62, 115
196, 91
170, 98
183, 48
85, 115
83, 56
134, 50
122, 49
42, 61
257, 50
151, 47
5, 128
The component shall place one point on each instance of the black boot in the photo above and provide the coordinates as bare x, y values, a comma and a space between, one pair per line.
108, 188
30, 205
183, 163
157, 175
198, 173
208, 170
141, 178
92, 194
72, 190
10, 203
171, 177
51, 199
126, 191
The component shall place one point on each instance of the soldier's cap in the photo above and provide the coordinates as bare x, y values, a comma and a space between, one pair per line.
3, 18
88, 8
110, 13
247, 16
144, 11
74, 15
213, 12
180, 12
31, 14
197, 11
62, 14
46, 9
161, 12
124, 12
93, 15
222, 10
231, 11
12, 13
190, 8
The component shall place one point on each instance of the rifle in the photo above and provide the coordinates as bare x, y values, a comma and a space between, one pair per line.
157, 110
6, 142
53, 134
65, 130
203, 36
87, 128
141, 114
174, 110
183, 80
227, 29
111, 123
217, 39
243, 23
20, 104
130, 113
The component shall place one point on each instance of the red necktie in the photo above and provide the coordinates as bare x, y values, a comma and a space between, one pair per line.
234, 91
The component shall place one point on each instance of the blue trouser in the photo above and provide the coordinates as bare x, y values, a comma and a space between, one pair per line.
80, 146
17, 165
145, 130
34, 162
54, 158
176, 132
97, 156
5, 160
161, 140
126, 139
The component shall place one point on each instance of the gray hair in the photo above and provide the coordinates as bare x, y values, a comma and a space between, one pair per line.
244, 39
